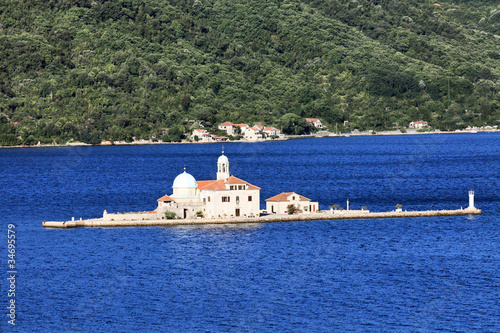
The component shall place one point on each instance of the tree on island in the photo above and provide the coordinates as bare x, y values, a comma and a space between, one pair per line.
170, 215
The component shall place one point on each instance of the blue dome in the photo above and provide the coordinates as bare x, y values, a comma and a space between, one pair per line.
184, 180
222, 159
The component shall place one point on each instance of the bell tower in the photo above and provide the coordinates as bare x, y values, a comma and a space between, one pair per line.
222, 167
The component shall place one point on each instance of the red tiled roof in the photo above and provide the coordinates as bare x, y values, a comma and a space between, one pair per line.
241, 125
234, 180
227, 123
220, 185
165, 198
202, 183
284, 197
153, 212
212, 185
269, 128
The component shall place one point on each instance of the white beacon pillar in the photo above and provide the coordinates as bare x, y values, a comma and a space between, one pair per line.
471, 199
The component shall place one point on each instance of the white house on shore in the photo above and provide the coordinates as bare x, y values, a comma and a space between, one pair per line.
315, 122
271, 131
228, 127
202, 135
418, 124
279, 203
231, 129
253, 134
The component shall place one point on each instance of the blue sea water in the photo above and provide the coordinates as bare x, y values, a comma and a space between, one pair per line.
405, 275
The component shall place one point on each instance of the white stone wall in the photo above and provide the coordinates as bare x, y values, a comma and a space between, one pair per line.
189, 209
135, 216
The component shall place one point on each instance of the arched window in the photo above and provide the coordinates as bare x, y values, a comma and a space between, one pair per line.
237, 199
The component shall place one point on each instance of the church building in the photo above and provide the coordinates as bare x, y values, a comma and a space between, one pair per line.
227, 196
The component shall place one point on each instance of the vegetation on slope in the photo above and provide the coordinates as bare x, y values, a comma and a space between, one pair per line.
92, 70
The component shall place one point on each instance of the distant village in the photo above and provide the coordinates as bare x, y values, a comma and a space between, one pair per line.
228, 131
259, 132
255, 133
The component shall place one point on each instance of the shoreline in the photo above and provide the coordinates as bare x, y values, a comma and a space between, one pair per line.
324, 216
291, 137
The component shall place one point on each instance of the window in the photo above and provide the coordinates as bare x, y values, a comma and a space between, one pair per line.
241, 187
237, 199
204, 200
226, 199
208, 199
249, 198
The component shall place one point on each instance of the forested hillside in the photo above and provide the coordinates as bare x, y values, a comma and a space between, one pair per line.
91, 70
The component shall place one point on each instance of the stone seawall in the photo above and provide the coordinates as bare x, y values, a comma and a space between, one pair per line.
262, 219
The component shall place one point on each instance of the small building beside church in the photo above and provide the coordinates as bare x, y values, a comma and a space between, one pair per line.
279, 203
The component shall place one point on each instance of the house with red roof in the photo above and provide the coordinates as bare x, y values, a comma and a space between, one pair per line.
220, 138
418, 124
271, 131
253, 134
202, 135
243, 127
279, 203
228, 127
314, 122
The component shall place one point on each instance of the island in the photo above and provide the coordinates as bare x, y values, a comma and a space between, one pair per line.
228, 199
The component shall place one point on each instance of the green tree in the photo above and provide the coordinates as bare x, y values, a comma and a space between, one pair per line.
293, 125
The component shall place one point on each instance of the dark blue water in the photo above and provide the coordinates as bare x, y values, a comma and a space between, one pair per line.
408, 275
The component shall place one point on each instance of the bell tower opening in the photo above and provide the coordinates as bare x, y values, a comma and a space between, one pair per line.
222, 166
